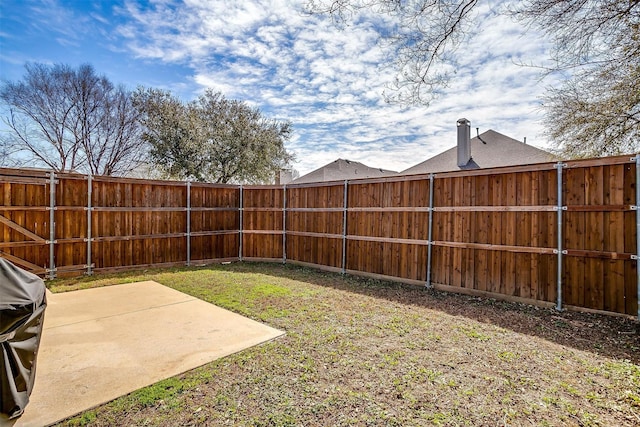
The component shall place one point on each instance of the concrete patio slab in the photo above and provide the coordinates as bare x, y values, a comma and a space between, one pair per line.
99, 344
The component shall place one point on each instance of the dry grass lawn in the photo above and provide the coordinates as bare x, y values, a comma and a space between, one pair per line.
369, 353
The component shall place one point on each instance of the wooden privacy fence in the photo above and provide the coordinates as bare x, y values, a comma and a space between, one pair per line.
554, 233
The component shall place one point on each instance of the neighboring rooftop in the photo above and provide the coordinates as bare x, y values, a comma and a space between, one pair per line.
490, 149
342, 169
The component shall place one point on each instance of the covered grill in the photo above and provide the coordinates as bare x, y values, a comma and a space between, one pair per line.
22, 306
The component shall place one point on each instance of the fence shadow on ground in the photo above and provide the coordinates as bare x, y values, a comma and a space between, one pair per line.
611, 336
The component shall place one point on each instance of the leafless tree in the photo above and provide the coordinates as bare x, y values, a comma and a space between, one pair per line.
421, 42
70, 120
596, 46
596, 112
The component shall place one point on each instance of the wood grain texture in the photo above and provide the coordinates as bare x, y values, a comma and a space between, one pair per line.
494, 231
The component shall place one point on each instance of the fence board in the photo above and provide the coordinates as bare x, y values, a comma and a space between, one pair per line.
263, 212
494, 231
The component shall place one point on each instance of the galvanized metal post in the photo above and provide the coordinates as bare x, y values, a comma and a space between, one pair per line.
637, 209
430, 232
559, 251
89, 209
52, 225
240, 226
284, 224
344, 228
188, 223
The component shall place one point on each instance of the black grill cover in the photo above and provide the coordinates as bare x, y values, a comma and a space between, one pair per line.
22, 305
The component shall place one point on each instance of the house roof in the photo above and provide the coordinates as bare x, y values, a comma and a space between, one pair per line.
488, 150
342, 169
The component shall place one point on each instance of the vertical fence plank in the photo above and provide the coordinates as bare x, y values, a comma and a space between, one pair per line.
614, 242
574, 236
344, 226
559, 250
241, 225
89, 225
490, 231
52, 225
637, 254
594, 238
430, 232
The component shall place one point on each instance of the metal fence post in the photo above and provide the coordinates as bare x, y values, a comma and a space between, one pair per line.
52, 225
188, 223
637, 209
430, 232
344, 228
559, 251
89, 209
284, 224
240, 225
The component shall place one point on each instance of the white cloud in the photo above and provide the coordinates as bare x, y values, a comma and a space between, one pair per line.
330, 82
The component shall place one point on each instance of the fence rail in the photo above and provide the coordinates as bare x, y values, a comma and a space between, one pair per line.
562, 234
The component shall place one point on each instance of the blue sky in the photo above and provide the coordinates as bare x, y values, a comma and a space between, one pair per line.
293, 66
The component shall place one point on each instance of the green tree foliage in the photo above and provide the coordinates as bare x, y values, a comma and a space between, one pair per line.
212, 139
168, 130
596, 47
70, 120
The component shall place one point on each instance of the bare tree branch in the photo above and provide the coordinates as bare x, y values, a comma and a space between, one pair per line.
71, 120
595, 42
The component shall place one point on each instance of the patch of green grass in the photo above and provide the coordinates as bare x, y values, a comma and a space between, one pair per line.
276, 420
248, 293
589, 420
527, 382
472, 332
507, 356
391, 359
239, 292
164, 390
97, 281
551, 399
369, 353
509, 414
421, 374
398, 325
438, 418
633, 397
570, 388
622, 370
83, 420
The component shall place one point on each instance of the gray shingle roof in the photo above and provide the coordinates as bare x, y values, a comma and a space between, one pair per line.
342, 169
491, 149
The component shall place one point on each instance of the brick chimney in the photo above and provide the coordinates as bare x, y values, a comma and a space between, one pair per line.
464, 142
